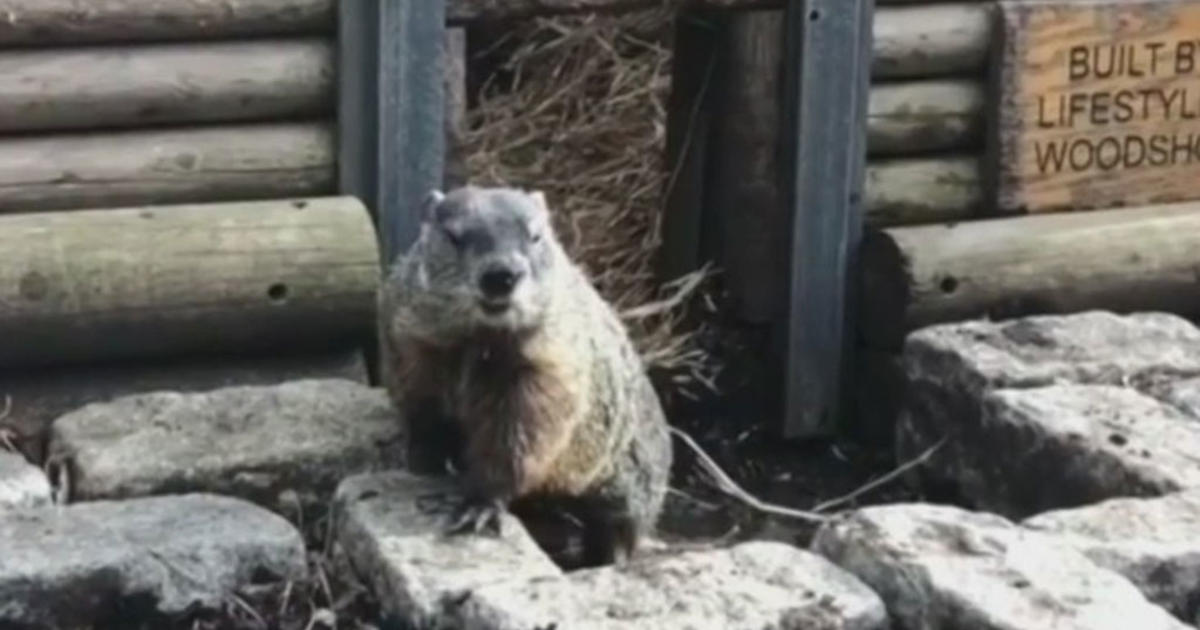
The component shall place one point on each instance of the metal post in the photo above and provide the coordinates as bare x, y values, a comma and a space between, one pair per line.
827, 82
391, 144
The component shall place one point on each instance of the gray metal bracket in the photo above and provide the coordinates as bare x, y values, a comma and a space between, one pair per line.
391, 143
827, 84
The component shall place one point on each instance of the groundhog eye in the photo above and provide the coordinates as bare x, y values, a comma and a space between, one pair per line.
535, 237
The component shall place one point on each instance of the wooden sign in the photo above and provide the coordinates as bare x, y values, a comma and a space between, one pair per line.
1098, 104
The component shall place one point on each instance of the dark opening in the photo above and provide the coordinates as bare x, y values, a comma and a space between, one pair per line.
278, 292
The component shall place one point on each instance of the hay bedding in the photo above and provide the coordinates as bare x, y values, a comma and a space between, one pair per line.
578, 110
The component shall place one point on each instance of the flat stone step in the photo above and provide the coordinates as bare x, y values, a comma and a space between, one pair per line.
77, 565
1154, 543
753, 586
420, 575
254, 442
944, 567
21, 484
1094, 401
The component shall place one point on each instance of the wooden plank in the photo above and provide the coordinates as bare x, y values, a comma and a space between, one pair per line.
261, 161
1098, 104
40, 396
745, 197
910, 191
75, 22
99, 87
98, 285
826, 100
391, 110
690, 111
914, 117
1123, 260
455, 89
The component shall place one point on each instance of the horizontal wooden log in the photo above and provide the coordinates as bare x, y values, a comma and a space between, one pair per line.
236, 162
38, 397
930, 40
75, 22
911, 40
473, 10
925, 116
159, 281
99, 87
922, 190
1123, 260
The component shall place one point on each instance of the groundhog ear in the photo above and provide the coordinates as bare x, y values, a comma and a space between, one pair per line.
429, 205
539, 199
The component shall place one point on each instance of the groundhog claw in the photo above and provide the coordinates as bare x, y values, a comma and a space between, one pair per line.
477, 517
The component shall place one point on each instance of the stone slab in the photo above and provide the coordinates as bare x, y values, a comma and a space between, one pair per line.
944, 567
41, 395
84, 564
991, 459
753, 586
1094, 442
254, 442
21, 484
418, 573
1154, 543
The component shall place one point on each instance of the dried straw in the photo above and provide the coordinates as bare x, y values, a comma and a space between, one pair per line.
580, 113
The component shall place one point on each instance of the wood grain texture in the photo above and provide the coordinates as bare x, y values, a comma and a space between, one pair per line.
744, 195
75, 22
235, 162
1098, 105
40, 396
928, 40
104, 87
161, 281
914, 117
907, 191
1122, 260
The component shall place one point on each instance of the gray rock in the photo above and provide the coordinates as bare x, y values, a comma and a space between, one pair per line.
758, 585
1154, 543
952, 369
254, 442
1095, 442
399, 549
70, 566
21, 484
943, 567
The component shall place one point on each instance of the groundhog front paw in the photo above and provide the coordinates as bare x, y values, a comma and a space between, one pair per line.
477, 516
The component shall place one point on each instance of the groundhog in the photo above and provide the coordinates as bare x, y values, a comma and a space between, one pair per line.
507, 364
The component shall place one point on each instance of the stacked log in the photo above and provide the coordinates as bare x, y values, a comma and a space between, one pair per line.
165, 167
925, 135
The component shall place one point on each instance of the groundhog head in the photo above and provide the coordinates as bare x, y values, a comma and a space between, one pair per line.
489, 254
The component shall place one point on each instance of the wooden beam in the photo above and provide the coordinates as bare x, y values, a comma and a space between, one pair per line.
75, 22
235, 162
161, 281
110, 86
1124, 260
827, 92
690, 113
745, 199
392, 110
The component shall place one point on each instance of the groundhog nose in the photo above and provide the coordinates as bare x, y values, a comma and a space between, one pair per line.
498, 282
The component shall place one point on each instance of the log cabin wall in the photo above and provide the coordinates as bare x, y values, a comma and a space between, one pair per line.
168, 217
